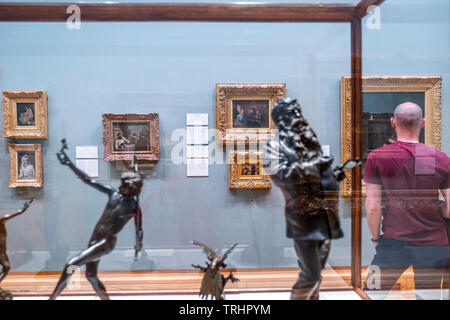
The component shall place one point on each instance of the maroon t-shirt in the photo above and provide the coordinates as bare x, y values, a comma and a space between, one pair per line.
410, 175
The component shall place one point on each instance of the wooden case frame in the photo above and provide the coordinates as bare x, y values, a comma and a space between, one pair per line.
14, 181
11, 130
238, 181
226, 93
431, 86
108, 141
238, 12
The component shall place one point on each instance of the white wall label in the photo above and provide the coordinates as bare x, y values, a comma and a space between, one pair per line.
86, 152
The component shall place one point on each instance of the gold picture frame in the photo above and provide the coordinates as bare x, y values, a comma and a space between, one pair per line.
256, 99
246, 171
431, 86
139, 135
25, 114
25, 165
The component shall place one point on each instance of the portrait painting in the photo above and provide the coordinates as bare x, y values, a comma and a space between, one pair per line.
250, 170
381, 95
125, 135
25, 114
246, 171
243, 112
129, 136
25, 165
250, 113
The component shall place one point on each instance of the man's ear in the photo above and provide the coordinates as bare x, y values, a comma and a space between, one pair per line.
422, 123
393, 122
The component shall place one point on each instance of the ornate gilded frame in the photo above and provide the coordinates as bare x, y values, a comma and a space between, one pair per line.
11, 130
430, 85
14, 181
238, 181
108, 141
226, 92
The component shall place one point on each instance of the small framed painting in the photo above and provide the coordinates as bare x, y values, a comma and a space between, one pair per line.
25, 165
25, 114
246, 171
243, 111
125, 135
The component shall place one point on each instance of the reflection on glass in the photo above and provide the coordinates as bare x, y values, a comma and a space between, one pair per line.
403, 180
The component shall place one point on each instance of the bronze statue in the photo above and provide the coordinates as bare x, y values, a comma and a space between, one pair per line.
122, 205
213, 283
311, 190
4, 261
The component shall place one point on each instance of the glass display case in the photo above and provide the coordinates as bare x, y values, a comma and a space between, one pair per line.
182, 93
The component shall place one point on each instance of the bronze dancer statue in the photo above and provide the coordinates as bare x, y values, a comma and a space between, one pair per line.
122, 205
213, 283
4, 261
311, 190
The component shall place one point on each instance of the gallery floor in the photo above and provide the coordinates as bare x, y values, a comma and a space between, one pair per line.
324, 295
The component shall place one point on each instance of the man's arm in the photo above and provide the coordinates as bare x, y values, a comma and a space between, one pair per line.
446, 211
373, 209
10, 216
65, 160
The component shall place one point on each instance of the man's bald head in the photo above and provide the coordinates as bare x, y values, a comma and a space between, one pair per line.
408, 115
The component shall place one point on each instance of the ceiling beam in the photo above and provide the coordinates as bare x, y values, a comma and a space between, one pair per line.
54, 12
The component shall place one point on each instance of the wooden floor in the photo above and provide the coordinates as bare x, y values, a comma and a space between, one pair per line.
184, 281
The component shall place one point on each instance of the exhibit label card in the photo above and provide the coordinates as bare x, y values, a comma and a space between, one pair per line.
197, 119
197, 151
197, 168
89, 166
197, 135
86, 152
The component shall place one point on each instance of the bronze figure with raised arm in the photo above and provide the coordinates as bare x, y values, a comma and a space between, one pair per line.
4, 261
122, 205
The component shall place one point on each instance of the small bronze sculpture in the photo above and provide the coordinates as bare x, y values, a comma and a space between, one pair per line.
122, 205
4, 261
213, 283
311, 190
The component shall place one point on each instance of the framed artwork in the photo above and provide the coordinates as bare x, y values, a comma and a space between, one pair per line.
25, 165
125, 135
25, 114
243, 111
381, 94
246, 171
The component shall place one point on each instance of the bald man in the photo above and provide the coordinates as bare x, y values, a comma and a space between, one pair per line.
403, 183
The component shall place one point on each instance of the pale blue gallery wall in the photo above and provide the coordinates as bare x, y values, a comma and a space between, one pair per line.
170, 69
